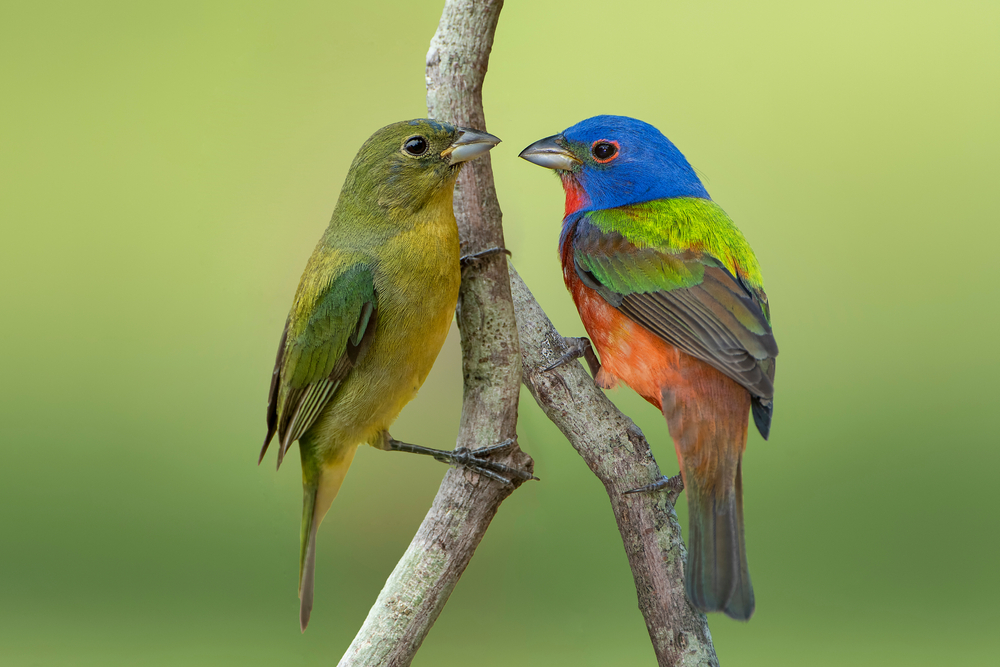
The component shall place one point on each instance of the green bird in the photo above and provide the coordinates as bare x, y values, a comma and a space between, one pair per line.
370, 315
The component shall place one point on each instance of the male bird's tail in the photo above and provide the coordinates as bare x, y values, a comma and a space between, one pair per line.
708, 416
717, 577
320, 483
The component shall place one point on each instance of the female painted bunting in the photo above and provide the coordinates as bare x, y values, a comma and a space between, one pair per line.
370, 315
672, 297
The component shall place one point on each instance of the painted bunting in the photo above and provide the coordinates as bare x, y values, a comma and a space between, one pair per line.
370, 315
672, 297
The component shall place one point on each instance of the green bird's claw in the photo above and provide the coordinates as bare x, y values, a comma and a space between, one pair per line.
493, 449
470, 259
473, 459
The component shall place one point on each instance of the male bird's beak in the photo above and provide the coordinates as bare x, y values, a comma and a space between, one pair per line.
549, 153
469, 145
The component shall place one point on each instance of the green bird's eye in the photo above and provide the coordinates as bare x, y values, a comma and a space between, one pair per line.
604, 151
415, 146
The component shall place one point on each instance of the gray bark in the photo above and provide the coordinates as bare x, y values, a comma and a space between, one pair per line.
424, 578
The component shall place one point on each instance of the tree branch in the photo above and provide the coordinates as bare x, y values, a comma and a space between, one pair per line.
618, 454
612, 446
424, 578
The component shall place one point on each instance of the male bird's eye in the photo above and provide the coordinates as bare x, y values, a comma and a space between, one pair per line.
415, 146
604, 151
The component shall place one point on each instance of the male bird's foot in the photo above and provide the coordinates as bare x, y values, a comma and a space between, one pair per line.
675, 484
473, 459
469, 260
576, 348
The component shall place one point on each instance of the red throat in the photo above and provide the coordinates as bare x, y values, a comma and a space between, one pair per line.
576, 198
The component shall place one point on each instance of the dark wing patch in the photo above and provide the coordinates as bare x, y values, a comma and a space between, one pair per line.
310, 400
763, 410
315, 357
272, 395
690, 319
718, 320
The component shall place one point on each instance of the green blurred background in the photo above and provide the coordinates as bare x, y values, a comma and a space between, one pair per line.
166, 169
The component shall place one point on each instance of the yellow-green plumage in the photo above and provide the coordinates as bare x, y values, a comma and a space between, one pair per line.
371, 312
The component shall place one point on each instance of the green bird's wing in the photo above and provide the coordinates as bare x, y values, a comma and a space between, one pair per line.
687, 295
327, 334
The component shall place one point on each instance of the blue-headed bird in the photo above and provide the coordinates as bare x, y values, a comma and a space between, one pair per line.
672, 297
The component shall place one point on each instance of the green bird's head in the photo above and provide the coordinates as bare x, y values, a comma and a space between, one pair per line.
404, 165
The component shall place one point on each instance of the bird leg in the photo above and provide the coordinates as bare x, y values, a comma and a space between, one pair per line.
576, 348
469, 260
473, 459
675, 484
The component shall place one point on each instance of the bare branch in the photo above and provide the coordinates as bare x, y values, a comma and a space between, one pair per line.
424, 578
609, 442
616, 451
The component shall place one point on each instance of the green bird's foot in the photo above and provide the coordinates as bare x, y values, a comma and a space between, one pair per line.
675, 484
576, 348
469, 260
474, 459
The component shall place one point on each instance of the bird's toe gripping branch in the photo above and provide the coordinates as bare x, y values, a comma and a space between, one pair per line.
674, 484
475, 460
475, 257
575, 349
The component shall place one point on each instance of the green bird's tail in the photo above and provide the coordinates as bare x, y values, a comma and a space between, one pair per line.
717, 577
320, 483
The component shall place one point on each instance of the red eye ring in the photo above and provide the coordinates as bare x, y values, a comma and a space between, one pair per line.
604, 150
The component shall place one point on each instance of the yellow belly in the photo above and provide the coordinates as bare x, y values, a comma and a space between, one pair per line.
417, 289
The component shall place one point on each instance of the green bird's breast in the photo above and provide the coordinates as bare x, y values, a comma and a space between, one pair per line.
417, 277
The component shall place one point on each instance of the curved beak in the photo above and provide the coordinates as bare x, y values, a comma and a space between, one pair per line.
469, 145
549, 153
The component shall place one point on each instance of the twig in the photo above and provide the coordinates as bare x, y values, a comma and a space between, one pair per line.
424, 578
616, 451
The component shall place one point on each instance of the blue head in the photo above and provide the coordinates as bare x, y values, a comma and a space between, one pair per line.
611, 161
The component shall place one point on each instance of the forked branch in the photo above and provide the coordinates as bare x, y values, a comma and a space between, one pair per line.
609, 442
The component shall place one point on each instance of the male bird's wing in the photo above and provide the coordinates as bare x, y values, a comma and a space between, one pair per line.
689, 299
326, 335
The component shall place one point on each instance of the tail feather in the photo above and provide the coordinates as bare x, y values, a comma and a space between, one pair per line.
763, 410
307, 555
708, 415
717, 577
710, 575
741, 604
320, 484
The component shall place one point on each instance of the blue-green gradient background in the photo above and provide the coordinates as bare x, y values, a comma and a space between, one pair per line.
167, 167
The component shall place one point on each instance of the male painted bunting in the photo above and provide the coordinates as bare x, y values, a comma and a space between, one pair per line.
672, 297
370, 315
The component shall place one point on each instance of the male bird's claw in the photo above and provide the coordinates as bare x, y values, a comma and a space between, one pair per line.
470, 259
473, 459
576, 348
675, 484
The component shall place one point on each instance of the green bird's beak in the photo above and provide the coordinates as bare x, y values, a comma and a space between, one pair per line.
469, 145
549, 153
